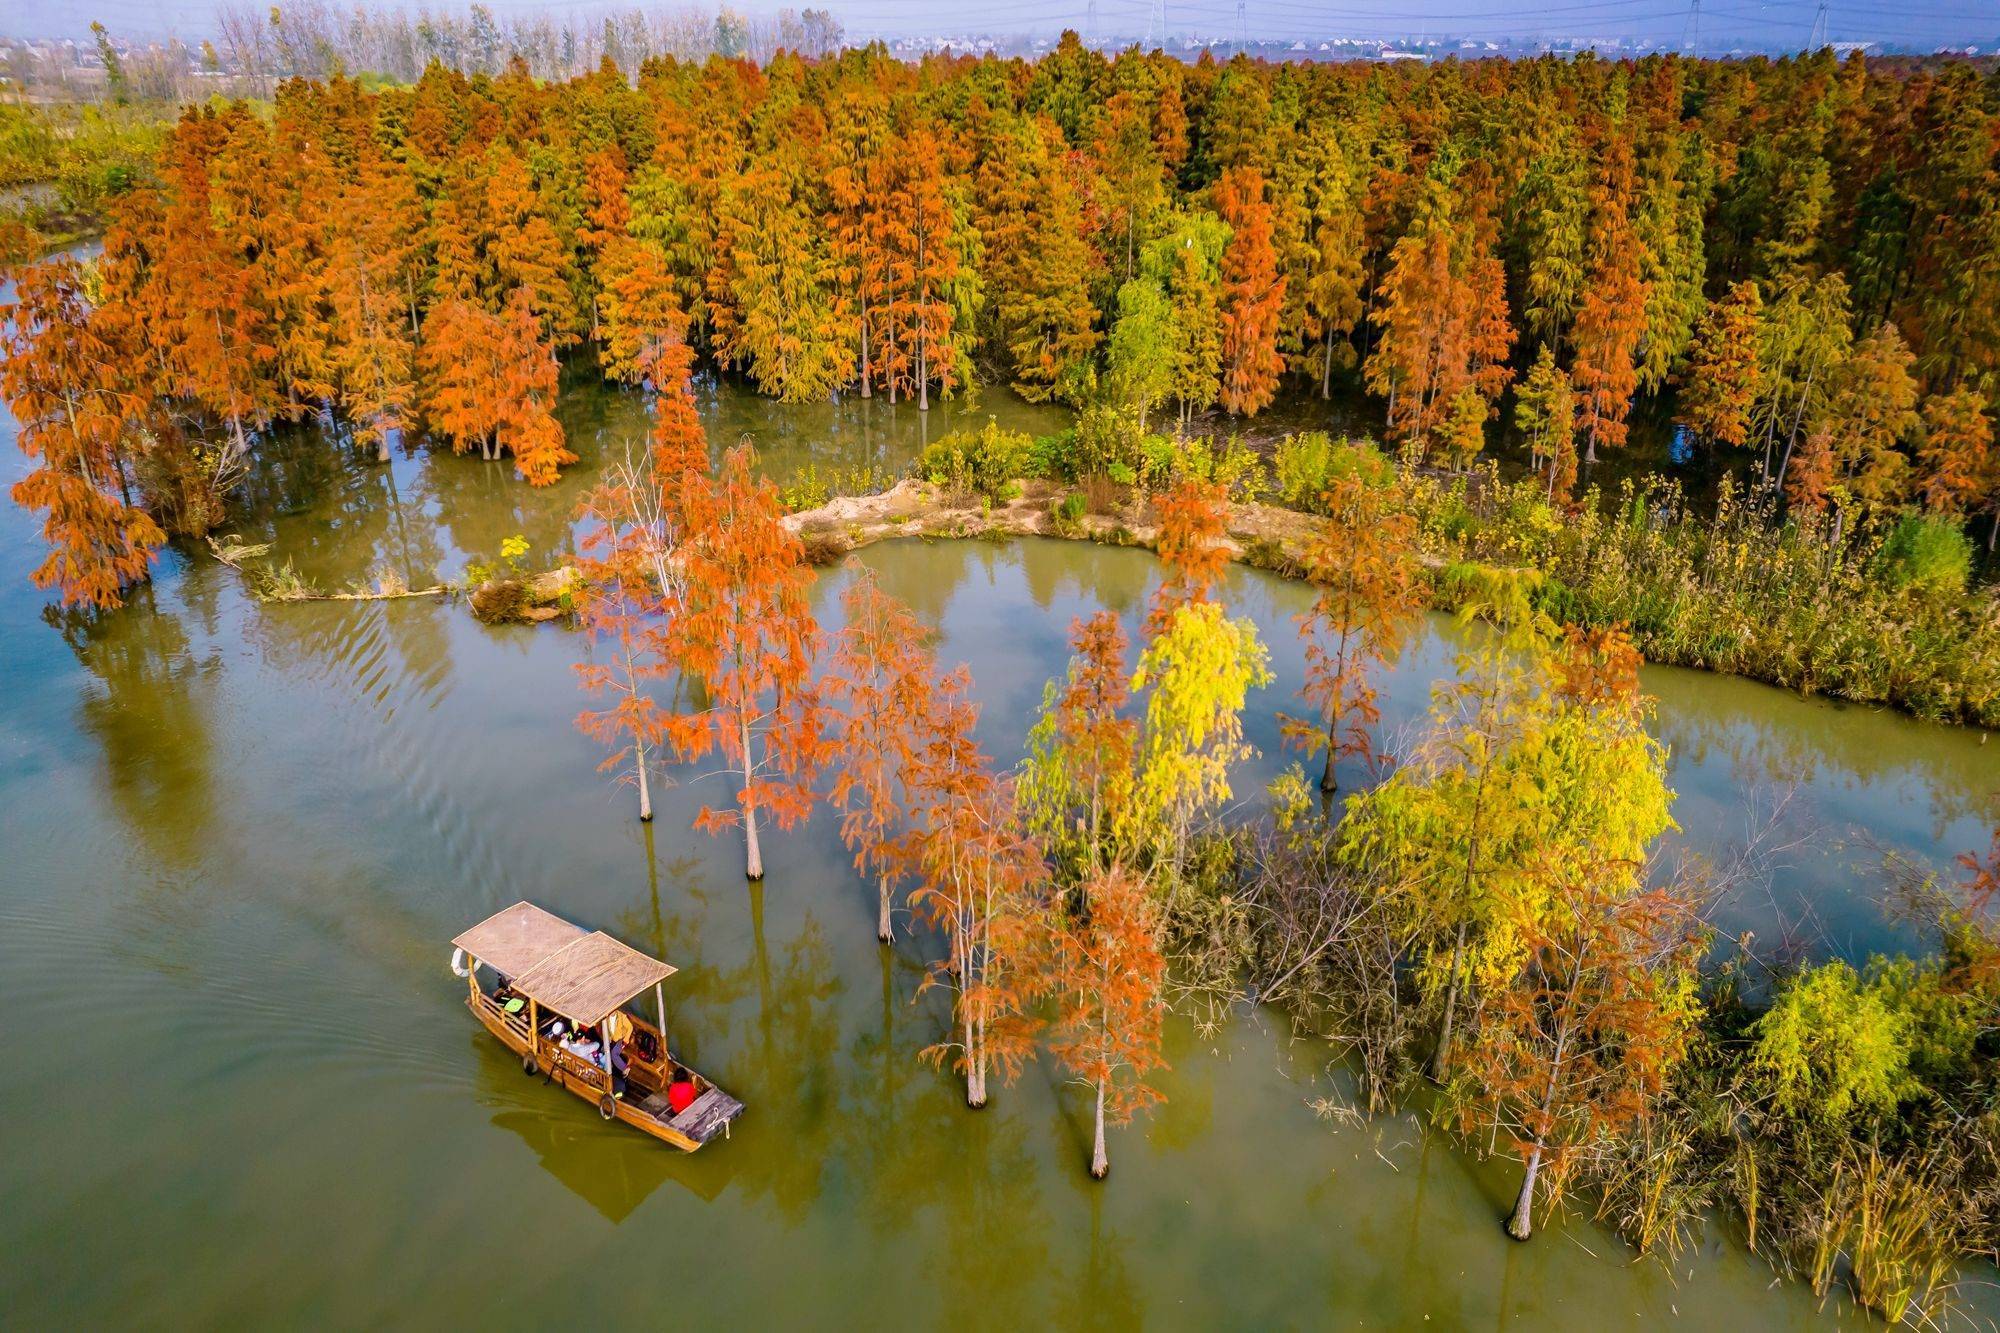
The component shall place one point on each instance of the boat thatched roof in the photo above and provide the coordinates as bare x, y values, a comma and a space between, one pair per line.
514, 940
590, 978
582, 975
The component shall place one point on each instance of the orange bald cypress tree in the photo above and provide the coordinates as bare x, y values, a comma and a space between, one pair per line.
1076, 784
607, 220
742, 626
917, 318
461, 359
618, 604
884, 671
977, 876
522, 249
214, 332
1956, 457
1363, 561
528, 428
1253, 294
1613, 316
62, 371
1194, 517
372, 259
1111, 976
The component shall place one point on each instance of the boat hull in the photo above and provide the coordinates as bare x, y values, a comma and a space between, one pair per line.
590, 1082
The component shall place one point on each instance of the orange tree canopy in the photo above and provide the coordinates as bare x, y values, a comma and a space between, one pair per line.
581, 975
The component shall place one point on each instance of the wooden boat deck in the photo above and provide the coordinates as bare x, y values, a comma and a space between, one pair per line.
708, 1115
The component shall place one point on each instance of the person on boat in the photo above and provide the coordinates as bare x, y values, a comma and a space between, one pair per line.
619, 1066
680, 1093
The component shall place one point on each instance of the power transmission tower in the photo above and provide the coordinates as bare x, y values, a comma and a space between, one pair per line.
1818, 38
1156, 25
1691, 34
1242, 30
1090, 23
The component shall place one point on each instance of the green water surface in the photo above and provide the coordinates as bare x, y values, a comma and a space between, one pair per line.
240, 1086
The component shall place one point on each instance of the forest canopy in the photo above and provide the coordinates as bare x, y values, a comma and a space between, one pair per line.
1804, 253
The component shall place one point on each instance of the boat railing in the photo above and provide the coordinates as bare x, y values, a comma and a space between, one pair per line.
517, 1023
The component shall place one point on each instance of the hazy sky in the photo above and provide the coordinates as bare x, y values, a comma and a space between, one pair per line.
1781, 23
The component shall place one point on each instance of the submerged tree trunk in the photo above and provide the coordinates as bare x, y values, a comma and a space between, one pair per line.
1522, 1224
1100, 1160
1327, 782
883, 930
645, 791
753, 854
975, 1065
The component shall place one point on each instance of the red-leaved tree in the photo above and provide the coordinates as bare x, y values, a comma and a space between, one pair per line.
1194, 517
976, 879
1109, 977
884, 669
1363, 561
62, 371
621, 600
743, 628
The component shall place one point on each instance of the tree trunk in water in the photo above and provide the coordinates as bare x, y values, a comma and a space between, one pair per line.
1326, 779
1993, 529
1441, 1057
645, 791
865, 390
923, 380
754, 855
883, 930
1522, 1224
975, 1068
1100, 1160
1326, 368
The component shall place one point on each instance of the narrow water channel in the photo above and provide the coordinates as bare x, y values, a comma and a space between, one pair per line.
240, 1085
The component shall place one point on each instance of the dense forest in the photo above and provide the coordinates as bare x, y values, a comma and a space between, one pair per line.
1805, 253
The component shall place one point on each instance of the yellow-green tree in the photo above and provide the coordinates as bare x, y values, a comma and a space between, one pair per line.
1197, 672
1580, 1033
1454, 836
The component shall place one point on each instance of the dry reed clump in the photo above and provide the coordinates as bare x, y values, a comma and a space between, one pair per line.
1799, 603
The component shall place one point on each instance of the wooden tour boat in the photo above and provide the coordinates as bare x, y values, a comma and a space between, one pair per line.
559, 992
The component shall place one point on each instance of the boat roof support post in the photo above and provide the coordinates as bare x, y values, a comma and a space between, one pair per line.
660, 1008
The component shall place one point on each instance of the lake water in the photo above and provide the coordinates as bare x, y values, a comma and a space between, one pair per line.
240, 1085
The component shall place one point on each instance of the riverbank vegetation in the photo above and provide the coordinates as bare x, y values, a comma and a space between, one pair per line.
1882, 611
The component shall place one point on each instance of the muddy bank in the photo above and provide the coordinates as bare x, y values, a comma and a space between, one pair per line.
1264, 536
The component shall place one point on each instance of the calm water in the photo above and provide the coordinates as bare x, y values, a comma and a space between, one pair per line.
240, 1085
